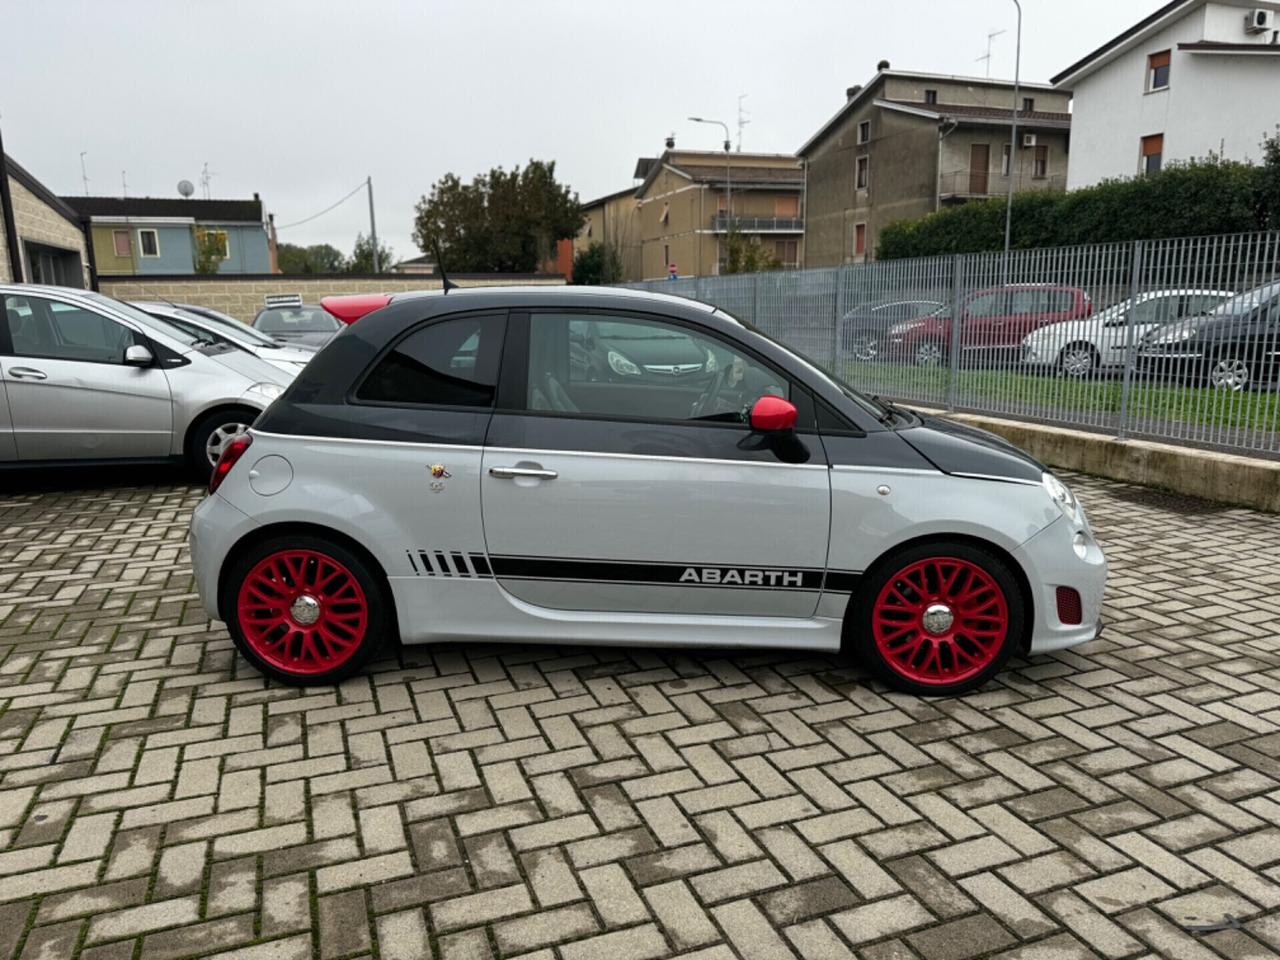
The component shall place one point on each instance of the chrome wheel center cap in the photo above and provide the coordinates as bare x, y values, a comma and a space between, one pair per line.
305, 610
938, 618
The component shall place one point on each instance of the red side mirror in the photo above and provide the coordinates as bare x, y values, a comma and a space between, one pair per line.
770, 414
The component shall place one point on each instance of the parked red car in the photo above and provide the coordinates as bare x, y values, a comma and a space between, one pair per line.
992, 324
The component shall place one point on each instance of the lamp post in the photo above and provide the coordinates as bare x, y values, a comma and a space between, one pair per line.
728, 182
1013, 142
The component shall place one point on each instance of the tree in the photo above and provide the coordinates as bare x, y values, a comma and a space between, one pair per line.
361, 259
745, 256
597, 264
501, 221
317, 258
210, 249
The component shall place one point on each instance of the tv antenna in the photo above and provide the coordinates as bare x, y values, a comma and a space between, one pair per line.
124, 185
991, 35
742, 118
206, 177
84, 174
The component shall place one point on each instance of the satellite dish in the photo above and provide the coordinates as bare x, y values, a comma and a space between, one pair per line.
186, 188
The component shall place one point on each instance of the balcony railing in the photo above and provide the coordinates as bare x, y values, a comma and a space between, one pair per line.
970, 183
720, 223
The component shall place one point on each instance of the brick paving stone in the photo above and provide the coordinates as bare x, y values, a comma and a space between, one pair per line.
159, 801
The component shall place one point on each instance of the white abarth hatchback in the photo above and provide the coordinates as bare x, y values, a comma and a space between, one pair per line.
504, 464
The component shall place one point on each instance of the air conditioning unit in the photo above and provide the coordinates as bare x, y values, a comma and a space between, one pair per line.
1259, 20
1028, 139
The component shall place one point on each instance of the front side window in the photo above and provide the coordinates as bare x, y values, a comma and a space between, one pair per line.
149, 243
451, 363
986, 305
640, 369
63, 331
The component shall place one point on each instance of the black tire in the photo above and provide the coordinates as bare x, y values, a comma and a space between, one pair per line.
378, 623
202, 434
860, 621
1070, 356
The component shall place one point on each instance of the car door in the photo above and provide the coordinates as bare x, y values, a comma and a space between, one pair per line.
71, 395
8, 450
1146, 315
982, 316
647, 495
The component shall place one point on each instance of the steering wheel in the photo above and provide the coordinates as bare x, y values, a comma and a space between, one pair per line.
704, 402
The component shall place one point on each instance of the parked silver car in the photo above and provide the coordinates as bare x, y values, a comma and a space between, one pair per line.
225, 321
306, 324
85, 378
287, 357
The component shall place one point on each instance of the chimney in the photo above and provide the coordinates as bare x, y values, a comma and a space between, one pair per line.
851, 92
671, 141
882, 65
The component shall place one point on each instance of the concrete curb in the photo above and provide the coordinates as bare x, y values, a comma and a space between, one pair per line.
1212, 475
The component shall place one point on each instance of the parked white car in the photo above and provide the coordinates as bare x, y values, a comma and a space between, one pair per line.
1082, 347
288, 358
86, 379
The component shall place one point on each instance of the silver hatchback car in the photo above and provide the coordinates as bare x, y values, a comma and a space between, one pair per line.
85, 378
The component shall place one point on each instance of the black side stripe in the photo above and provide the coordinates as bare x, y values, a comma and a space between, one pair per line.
464, 565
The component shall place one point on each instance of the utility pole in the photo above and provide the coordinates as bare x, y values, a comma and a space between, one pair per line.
1013, 142
84, 174
373, 227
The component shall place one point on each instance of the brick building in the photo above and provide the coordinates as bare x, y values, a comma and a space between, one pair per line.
42, 240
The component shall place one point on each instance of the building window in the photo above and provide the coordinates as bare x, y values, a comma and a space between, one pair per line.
1004, 162
1158, 71
148, 243
859, 239
931, 96
1028, 104
787, 252
666, 258
1040, 168
1152, 153
864, 131
120, 242
863, 173
665, 218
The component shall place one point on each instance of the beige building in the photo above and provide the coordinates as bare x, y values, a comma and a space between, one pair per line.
907, 144
679, 214
41, 240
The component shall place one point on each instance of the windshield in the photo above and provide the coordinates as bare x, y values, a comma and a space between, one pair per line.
304, 319
877, 408
230, 325
1244, 302
147, 321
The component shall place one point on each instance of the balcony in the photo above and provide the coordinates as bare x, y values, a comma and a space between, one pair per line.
971, 184
720, 224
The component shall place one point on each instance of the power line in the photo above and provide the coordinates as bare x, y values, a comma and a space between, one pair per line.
297, 223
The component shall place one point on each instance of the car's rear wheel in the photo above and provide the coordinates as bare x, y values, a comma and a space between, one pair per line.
930, 353
212, 433
1229, 372
937, 619
304, 610
1078, 360
864, 346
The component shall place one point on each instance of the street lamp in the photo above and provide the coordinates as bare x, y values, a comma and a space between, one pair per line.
728, 182
1013, 142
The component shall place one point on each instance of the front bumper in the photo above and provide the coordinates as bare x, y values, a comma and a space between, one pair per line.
1050, 561
216, 527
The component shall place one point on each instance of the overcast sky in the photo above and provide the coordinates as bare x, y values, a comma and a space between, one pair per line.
299, 100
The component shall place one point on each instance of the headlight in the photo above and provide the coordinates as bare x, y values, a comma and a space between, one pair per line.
621, 365
1060, 495
906, 326
712, 364
266, 391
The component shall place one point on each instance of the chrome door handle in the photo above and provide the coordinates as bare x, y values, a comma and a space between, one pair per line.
508, 473
27, 373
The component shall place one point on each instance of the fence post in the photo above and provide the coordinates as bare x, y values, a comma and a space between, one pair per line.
1130, 345
838, 309
957, 300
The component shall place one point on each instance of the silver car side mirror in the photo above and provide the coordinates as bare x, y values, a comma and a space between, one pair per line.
138, 356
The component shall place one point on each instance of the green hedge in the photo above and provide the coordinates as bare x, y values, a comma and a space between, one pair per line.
1187, 199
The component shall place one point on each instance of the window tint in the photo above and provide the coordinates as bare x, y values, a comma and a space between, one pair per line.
636, 368
451, 363
986, 305
63, 331
1060, 301
296, 320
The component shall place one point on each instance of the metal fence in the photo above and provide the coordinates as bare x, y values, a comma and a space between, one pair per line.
1177, 340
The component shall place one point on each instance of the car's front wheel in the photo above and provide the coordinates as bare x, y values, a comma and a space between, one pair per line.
937, 619
930, 353
304, 610
1078, 360
1229, 372
212, 433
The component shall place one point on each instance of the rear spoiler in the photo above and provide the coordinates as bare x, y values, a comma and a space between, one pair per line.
352, 307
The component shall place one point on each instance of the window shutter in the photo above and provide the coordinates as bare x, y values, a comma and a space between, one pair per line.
1160, 59
1153, 145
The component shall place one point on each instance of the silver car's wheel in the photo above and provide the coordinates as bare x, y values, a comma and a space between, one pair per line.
929, 353
1230, 373
220, 437
865, 347
1078, 360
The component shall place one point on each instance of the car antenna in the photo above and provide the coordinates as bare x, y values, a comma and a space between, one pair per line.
445, 282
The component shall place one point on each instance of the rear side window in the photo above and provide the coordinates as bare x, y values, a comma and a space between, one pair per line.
453, 363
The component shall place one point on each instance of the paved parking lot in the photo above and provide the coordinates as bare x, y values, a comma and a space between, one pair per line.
158, 800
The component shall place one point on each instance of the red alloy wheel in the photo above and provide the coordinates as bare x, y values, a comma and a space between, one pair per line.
940, 621
302, 611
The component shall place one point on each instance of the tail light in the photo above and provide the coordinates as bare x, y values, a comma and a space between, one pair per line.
1069, 607
231, 453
